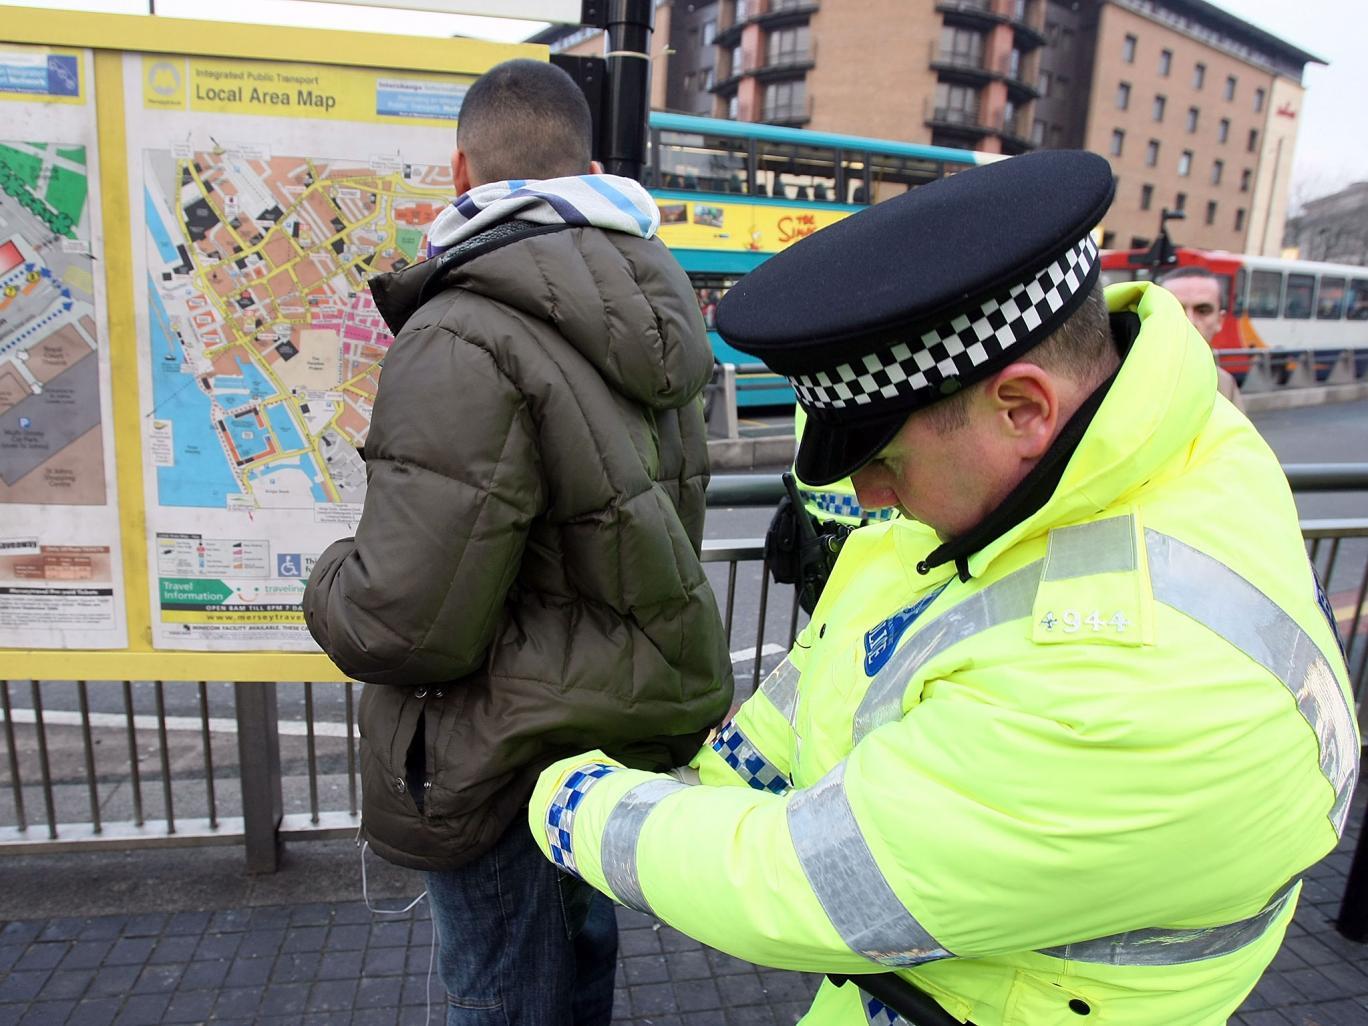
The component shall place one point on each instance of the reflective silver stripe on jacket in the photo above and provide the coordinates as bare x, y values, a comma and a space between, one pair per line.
1008, 599
1218, 598
622, 831
1157, 947
1101, 547
847, 881
781, 688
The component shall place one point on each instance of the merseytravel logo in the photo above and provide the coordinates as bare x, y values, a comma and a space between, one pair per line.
163, 83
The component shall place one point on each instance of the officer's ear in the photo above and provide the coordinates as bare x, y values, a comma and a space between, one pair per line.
1024, 400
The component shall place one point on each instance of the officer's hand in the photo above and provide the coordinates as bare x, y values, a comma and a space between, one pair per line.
550, 782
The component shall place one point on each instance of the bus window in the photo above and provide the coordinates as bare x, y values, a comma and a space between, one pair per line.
1297, 303
1356, 306
710, 288
892, 176
1237, 301
854, 167
1330, 299
702, 163
1265, 294
805, 173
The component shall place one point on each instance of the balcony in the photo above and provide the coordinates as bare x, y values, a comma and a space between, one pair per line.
773, 14
1026, 23
974, 69
964, 66
979, 13
794, 113
785, 61
1015, 132
1022, 15
1019, 76
966, 120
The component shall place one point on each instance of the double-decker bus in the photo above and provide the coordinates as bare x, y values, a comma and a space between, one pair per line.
1273, 303
733, 193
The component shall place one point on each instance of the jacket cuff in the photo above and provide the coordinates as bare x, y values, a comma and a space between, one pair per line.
569, 807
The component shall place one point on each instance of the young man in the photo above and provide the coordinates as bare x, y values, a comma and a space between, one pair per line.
1200, 293
1057, 745
525, 579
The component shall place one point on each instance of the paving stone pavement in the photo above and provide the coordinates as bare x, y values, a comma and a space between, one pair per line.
336, 963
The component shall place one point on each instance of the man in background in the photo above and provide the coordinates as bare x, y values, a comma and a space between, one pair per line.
525, 580
1201, 295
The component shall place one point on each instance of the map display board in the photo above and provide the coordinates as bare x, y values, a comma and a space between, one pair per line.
263, 196
60, 564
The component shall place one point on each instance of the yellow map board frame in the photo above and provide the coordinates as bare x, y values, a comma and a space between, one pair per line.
110, 36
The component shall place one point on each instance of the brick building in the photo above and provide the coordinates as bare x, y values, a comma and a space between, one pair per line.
1196, 109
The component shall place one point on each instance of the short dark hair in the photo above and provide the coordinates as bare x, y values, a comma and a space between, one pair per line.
525, 119
1199, 273
1081, 348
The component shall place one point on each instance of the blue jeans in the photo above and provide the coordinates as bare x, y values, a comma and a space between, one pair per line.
520, 943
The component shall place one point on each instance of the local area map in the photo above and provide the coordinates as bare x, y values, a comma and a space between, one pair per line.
51, 448
266, 345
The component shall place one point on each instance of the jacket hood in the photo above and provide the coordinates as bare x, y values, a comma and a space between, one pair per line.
1157, 405
623, 302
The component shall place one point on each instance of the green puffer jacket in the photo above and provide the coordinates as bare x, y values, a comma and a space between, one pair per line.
525, 579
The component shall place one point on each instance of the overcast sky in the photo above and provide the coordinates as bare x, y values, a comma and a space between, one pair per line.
1332, 141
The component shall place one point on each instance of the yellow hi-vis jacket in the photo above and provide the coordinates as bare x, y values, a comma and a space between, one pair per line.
1079, 787
837, 502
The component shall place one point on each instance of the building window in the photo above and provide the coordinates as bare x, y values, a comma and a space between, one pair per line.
1253, 139
959, 46
1180, 201
708, 79
1230, 87
1223, 130
785, 101
1239, 219
709, 32
1123, 96
1211, 212
1152, 153
1128, 49
1038, 132
1043, 83
1146, 196
738, 59
1217, 170
1244, 180
956, 104
1165, 62
733, 107
790, 45
1118, 140
1192, 119
1108, 240
1258, 101
1159, 104
1199, 76
1185, 164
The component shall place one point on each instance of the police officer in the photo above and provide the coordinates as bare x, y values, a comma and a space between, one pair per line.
1061, 743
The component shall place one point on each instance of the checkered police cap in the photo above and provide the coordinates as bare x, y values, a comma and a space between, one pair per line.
915, 298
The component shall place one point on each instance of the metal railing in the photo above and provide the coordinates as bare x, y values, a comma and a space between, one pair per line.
1270, 370
115, 765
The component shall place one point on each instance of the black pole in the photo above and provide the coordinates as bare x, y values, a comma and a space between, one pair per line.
1353, 912
628, 24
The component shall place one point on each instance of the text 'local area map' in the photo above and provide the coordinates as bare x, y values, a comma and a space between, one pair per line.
51, 449
265, 341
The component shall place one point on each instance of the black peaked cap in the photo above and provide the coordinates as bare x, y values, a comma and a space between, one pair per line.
910, 300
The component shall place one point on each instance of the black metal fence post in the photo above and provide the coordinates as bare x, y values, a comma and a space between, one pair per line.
259, 759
